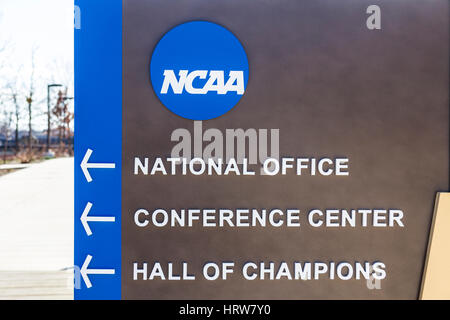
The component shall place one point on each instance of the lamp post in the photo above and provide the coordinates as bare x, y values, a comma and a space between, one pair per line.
48, 112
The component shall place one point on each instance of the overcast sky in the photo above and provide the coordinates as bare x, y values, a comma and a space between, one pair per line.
46, 26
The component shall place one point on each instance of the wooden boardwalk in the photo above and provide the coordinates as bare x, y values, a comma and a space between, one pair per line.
36, 285
36, 231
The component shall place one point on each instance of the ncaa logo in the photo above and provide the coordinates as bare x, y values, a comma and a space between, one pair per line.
199, 70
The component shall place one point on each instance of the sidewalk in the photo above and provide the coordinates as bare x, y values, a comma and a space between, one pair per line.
36, 231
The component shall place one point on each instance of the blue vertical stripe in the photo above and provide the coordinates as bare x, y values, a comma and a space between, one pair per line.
98, 126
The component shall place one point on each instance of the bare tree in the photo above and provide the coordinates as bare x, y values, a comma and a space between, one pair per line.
2, 51
17, 119
63, 116
5, 128
29, 100
2, 64
3, 59
14, 99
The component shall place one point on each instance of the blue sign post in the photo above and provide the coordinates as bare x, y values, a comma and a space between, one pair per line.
98, 150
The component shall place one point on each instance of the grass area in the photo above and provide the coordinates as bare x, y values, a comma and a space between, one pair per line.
6, 171
18, 161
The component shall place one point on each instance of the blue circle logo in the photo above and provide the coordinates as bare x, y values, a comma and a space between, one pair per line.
199, 70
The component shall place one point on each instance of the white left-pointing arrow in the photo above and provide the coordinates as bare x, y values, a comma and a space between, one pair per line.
85, 165
85, 218
85, 271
